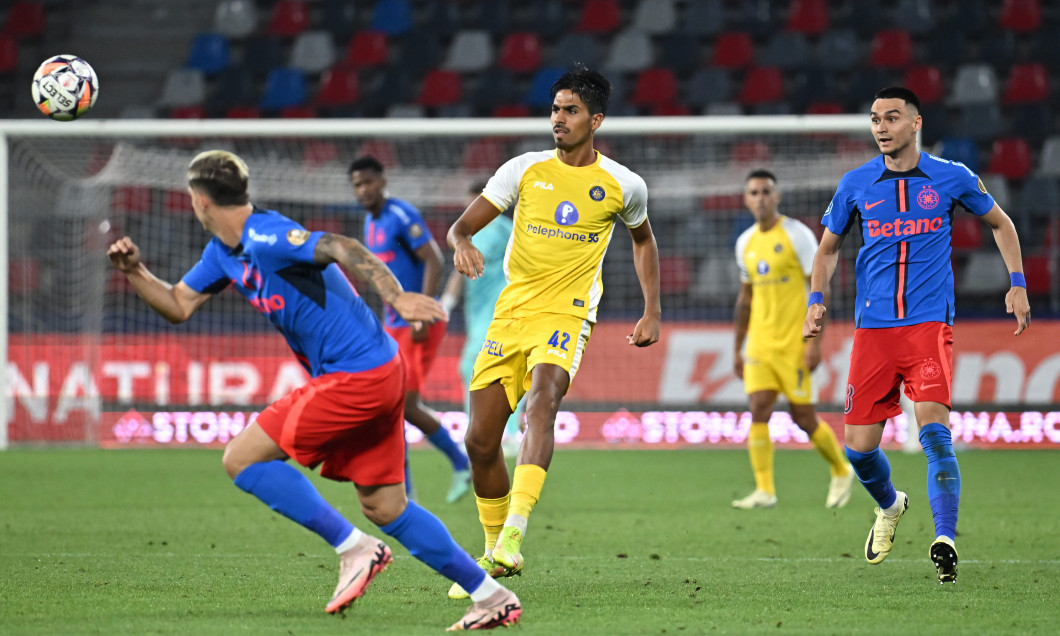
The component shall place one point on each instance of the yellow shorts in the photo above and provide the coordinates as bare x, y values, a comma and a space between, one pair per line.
513, 347
785, 374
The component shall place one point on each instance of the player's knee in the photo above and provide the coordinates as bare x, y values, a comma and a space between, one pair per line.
480, 446
232, 463
383, 510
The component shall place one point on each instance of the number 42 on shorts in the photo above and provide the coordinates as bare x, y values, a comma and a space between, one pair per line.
559, 340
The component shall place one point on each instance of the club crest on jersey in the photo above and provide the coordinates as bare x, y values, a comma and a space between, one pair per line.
566, 213
927, 198
762, 268
415, 230
596, 193
778, 248
930, 370
297, 237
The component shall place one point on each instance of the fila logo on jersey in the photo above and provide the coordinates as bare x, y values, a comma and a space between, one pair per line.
907, 227
542, 185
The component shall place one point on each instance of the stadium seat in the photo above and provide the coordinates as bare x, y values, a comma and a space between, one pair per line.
824, 108
891, 48
494, 88
999, 49
284, 87
443, 19
763, 84
209, 53
298, 112
708, 86
243, 112
600, 16
183, 87
755, 151
176, 202
760, 19
703, 18
926, 82
520, 52
671, 108
1040, 195
393, 17
191, 111
655, 17
339, 87
972, 19
1026, 83
547, 18
489, 15
681, 53
485, 154
962, 149
787, 50
313, 51
1021, 16
576, 47
917, 16
233, 87
974, 84
733, 50
235, 18
808, 16
984, 274
1049, 161
629, 51
381, 149
540, 93
1039, 277
367, 49
1031, 121
997, 186
23, 275
469, 52
967, 232
839, 50
25, 20
982, 122
318, 152
339, 17
393, 87
261, 54
1011, 158
289, 18
419, 52
512, 110
8, 54
949, 52
130, 199
654, 85
675, 274
812, 84
440, 88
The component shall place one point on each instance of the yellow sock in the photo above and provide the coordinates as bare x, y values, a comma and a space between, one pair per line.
826, 444
527, 483
491, 514
760, 447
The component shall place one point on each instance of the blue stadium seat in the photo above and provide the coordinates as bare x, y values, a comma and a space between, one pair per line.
540, 93
917, 16
708, 86
209, 53
963, 149
394, 17
840, 50
546, 18
284, 87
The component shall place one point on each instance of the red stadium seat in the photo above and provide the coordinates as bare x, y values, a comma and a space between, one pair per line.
1010, 157
177, 202
289, 18
8, 54
188, 112
380, 149
762, 85
330, 224
891, 48
825, 108
675, 274
808, 16
751, 152
670, 109
368, 49
298, 112
1036, 271
512, 110
25, 20
600, 16
23, 275
243, 112
967, 232
1027, 84
486, 153
723, 202
1021, 16
339, 87
654, 85
131, 199
733, 50
440, 88
319, 152
520, 52
926, 82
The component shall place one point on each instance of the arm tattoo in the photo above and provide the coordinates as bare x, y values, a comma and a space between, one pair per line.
355, 258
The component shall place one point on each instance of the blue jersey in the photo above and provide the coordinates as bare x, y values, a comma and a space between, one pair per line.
480, 295
325, 322
394, 236
903, 268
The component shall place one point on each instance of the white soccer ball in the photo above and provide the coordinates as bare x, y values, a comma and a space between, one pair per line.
65, 87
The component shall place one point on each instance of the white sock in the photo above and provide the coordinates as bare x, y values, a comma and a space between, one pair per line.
349, 541
895, 507
516, 521
485, 589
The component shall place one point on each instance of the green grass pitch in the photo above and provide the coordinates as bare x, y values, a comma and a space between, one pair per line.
623, 542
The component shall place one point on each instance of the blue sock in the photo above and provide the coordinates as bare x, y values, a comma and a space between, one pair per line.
443, 442
943, 478
408, 473
874, 472
287, 491
429, 541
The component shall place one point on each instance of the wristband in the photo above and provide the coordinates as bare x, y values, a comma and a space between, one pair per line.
1018, 280
816, 298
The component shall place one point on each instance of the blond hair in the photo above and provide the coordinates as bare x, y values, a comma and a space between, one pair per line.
221, 175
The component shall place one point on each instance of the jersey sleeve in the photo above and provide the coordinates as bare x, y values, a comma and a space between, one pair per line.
635, 201
412, 231
503, 187
294, 244
838, 214
207, 276
804, 242
741, 248
971, 192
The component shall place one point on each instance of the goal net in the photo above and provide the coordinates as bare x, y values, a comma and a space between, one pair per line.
83, 350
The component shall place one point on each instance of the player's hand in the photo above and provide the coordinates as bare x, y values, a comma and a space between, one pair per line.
812, 356
645, 333
1016, 303
124, 255
468, 260
737, 364
418, 310
814, 315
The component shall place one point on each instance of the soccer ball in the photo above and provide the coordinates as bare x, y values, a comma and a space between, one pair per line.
65, 87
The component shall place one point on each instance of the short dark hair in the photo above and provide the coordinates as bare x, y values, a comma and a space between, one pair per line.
367, 162
593, 88
760, 173
221, 175
899, 92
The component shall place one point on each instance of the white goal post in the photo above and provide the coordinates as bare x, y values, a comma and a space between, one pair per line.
59, 184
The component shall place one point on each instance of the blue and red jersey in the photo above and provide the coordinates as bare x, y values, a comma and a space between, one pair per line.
903, 268
327, 325
394, 236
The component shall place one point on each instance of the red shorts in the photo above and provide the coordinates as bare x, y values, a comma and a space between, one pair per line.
919, 355
418, 356
352, 424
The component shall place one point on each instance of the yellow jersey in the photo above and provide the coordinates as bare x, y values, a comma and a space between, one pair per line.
777, 265
562, 226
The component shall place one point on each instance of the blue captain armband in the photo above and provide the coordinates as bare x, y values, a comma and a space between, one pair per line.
816, 298
1018, 280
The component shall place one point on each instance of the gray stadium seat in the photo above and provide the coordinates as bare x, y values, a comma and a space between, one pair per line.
974, 84
655, 17
183, 87
997, 186
630, 51
839, 50
708, 86
1049, 163
704, 18
786, 50
313, 51
235, 18
576, 47
985, 273
470, 51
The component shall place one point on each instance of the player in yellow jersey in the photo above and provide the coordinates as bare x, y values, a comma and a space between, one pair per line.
775, 256
568, 202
